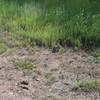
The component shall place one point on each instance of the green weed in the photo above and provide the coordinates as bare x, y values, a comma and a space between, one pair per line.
24, 64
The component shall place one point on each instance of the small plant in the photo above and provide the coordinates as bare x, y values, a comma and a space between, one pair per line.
24, 64
88, 85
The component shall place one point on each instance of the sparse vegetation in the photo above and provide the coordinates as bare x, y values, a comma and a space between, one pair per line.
88, 85
49, 98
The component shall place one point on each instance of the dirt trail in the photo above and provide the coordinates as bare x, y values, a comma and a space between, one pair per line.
52, 79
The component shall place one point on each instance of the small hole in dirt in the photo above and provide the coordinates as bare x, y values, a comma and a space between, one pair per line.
24, 83
25, 88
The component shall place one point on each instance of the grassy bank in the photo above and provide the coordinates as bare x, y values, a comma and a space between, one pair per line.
47, 23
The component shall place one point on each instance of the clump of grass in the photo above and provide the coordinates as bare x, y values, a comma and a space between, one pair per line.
88, 85
24, 64
3, 48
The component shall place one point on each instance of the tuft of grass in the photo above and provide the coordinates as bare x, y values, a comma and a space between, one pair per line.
88, 85
24, 64
3, 48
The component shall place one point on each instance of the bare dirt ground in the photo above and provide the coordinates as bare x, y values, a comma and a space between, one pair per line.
53, 77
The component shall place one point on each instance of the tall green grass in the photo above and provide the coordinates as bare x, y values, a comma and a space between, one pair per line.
51, 22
